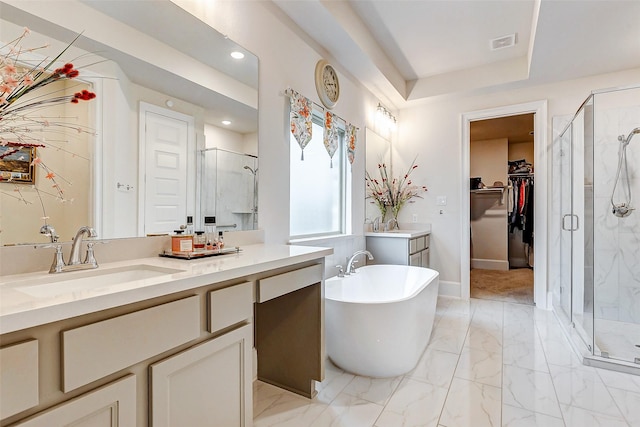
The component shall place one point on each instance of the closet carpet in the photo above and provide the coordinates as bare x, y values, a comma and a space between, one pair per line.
514, 286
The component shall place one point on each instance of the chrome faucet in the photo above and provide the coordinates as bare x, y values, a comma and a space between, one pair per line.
74, 257
48, 230
58, 265
350, 268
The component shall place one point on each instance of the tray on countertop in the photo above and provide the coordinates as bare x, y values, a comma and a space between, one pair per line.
200, 254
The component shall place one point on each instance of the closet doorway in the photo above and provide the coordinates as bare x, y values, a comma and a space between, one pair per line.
501, 207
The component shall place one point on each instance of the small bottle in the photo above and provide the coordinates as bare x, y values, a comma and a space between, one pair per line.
220, 240
199, 241
189, 224
210, 229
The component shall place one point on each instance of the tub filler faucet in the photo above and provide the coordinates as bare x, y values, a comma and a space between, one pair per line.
352, 261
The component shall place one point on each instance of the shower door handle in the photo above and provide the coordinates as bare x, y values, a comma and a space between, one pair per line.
565, 216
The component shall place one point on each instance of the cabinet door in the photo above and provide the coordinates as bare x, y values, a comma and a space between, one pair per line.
18, 378
425, 258
113, 405
206, 385
415, 260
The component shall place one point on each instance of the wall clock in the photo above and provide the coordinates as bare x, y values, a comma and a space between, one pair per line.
327, 84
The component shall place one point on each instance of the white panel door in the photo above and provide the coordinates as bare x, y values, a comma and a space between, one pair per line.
166, 163
206, 385
113, 405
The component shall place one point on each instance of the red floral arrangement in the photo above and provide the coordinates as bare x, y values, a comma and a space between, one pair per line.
21, 122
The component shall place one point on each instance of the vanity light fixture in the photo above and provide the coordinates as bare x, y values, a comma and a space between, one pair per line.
385, 118
237, 55
226, 122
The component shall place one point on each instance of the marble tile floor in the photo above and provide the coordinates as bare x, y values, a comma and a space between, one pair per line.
488, 363
620, 339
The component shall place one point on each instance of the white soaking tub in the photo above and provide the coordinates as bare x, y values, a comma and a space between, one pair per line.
379, 320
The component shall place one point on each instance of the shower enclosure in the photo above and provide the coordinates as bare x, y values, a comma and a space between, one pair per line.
595, 259
229, 189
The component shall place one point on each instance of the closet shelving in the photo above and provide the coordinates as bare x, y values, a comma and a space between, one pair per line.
498, 191
489, 190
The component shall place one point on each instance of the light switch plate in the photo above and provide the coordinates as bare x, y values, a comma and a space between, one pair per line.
441, 200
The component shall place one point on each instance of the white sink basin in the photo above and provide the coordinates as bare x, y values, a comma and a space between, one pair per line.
54, 285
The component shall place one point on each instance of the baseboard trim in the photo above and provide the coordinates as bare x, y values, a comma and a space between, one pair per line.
490, 264
451, 289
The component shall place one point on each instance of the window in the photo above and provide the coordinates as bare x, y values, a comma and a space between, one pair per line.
317, 191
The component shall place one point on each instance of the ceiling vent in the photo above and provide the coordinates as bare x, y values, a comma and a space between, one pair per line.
504, 41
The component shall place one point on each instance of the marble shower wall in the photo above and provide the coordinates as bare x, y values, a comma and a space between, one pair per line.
616, 241
609, 264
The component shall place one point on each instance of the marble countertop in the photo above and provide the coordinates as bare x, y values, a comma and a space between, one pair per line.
405, 233
28, 300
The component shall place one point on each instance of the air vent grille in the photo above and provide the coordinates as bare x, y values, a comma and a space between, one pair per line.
504, 42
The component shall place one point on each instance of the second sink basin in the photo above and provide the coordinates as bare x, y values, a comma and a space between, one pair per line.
90, 280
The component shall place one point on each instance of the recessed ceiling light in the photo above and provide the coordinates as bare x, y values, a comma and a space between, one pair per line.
226, 122
237, 55
504, 41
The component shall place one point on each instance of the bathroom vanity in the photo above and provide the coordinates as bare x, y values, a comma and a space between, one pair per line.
401, 247
161, 342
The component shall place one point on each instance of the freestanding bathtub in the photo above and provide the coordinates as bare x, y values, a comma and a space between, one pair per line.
379, 320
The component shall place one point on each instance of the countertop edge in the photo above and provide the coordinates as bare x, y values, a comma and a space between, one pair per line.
401, 234
33, 317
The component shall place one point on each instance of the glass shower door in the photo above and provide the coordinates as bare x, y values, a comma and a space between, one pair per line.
562, 297
575, 294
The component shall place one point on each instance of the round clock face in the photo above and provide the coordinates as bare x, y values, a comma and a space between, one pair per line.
327, 84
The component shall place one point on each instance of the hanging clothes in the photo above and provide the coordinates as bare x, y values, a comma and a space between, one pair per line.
521, 209
527, 233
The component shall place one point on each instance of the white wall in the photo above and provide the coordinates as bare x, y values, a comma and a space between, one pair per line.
488, 160
434, 129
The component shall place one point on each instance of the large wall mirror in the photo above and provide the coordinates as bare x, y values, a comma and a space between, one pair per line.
172, 132
379, 150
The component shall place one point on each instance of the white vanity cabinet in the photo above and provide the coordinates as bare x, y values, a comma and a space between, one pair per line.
399, 248
209, 384
181, 358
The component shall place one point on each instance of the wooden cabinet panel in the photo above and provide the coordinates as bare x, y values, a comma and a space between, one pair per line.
206, 385
413, 245
415, 260
18, 378
290, 340
94, 351
113, 405
230, 305
425, 258
399, 251
275, 286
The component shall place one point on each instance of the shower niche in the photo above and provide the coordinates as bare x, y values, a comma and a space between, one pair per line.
229, 189
594, 269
